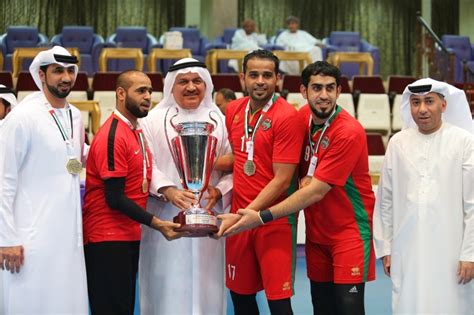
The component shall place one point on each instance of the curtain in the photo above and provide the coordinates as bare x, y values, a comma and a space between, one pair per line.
445, 17
103, 15
389, 25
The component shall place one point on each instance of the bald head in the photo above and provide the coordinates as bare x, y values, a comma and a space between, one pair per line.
126, 78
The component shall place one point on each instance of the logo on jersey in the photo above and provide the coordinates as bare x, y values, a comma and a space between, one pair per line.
266, 124
325, 142
286, 286
355, 271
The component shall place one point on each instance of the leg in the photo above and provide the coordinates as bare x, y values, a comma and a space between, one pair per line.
349, 299
244, 304
111, 275
322, 296
277, 244
280, 307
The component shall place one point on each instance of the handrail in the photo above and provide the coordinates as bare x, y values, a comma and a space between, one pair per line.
431, 32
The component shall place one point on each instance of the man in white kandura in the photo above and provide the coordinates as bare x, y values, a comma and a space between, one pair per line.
294, 39
7, 103
424, 212
41, 244
185, 276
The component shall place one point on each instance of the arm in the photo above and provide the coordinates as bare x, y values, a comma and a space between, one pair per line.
225, 163
116, 199
466, 260
14, 141
311, 193
383, 210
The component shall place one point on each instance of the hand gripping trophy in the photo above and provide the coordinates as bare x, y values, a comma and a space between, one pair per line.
194, 151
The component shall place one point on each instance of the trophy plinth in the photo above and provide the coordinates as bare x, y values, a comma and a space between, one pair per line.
198, 222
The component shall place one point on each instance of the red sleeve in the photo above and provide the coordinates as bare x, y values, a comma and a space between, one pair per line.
288, 139
115, 163
340, 159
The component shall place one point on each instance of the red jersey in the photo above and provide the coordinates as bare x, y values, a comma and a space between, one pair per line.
115, 152
346, 210
278, 139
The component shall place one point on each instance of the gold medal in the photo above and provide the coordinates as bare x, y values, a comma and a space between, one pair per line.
249, 168
74, 166
145, 186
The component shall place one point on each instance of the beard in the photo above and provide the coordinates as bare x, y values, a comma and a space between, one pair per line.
321, 114
55, 91
134, 108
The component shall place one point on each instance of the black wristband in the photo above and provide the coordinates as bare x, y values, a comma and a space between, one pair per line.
265, 215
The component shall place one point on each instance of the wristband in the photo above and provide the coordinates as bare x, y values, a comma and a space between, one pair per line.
265, 216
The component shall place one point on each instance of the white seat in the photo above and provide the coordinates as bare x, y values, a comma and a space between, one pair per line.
375, 164
345, 101
373, 112
296, 99
396, 114
80, 96
106, 101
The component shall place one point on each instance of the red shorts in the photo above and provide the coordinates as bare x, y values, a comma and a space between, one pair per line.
262, 258
345, 262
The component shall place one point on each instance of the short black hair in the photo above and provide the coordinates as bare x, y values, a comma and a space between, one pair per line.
320, 67
44, 68
124, 81
5, 102
262, 54
228, 94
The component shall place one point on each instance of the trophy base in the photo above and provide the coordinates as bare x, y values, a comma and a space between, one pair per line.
197, 224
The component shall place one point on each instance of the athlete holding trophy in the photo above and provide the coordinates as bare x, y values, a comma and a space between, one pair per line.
194, 133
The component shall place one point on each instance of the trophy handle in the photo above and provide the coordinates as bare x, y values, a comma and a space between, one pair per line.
221, 147
166, 133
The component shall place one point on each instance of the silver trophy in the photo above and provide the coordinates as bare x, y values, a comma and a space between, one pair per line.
194, 151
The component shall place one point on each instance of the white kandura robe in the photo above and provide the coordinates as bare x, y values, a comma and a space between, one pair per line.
242, 41
40, 209
184, 276
298, 41
424, 219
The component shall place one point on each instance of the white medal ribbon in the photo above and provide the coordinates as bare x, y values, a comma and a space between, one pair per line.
250, 138
67, 137
314, 159
141, 141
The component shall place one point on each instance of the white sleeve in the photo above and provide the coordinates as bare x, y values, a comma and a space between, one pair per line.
467, 248
383, 212
282, 39
14, 143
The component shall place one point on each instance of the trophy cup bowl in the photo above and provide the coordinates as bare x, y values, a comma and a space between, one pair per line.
194, 152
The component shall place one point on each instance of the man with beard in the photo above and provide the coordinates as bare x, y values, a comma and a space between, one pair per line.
266, 140
118, 174
41, 144
336, 194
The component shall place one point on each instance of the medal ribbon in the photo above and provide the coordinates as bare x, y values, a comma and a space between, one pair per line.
314, 151
64, 135
141, 140
250, 138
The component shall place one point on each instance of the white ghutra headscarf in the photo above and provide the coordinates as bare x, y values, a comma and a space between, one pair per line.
457, 109
58, 55
186, 65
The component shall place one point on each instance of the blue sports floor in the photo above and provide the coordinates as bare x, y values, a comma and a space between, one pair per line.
377, 293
